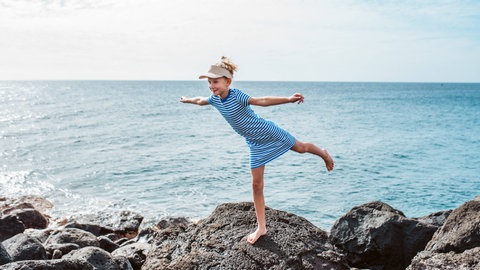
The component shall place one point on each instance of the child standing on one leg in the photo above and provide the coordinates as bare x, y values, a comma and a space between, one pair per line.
265, 139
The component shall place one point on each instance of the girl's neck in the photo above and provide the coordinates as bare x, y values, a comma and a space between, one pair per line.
224, 94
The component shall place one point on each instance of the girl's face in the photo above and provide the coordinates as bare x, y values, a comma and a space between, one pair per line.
219, 86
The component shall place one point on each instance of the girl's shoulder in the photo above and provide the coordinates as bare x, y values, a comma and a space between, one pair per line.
237, 91
240, 96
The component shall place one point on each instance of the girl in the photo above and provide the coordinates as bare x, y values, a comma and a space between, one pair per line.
266, 140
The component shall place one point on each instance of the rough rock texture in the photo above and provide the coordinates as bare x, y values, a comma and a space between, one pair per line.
373, 236
22, 247
7, 209
461, 230
107, 244
72, 236
9, 204
10, 226
219, 242
41, 235
436, 219
456, 245
95, 229
377, 236
49, 265
31, 218
60, 249
4, 256
136, 253
99, 259
124, 224
427, 260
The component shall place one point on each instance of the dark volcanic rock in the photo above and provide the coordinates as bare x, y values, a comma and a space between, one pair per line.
377, 236
136, 253
7, 209
107, 244
456, 245
95, 229
72, 236
9, 204
219, 242
124, 224
41, 235
31, 218
10, 226
435, 219
49, 265
427, 260
22, 247
4, 256
173, 222
461, 230
62, 248
99, 259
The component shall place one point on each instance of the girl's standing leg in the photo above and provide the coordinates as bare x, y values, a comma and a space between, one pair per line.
259, 202
305, 147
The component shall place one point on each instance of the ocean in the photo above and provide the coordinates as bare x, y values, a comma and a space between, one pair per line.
90, 146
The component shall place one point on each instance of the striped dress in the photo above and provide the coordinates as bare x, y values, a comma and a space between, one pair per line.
266, 140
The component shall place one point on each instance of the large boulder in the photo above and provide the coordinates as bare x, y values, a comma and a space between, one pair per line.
4, 256
219, 242
10, 226
377, 236
9, 204
456, 245
95, 229
7, 209
123, 223
31, 218
99, 259
22, 247
461, 230
72, 236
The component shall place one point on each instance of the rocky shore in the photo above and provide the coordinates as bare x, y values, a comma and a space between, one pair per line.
370, 236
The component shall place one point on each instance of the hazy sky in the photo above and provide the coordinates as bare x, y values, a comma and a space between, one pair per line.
303, 40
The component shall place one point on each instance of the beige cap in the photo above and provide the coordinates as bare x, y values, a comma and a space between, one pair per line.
217, 72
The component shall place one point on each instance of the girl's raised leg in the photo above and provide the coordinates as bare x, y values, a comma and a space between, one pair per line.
305, 147
259, 202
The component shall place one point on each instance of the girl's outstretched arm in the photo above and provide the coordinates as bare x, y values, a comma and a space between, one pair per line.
195, 100
269, 101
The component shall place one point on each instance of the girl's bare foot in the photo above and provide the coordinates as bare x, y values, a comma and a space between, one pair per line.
253, 237
328, 160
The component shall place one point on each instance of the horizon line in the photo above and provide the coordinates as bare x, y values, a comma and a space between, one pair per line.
270, 81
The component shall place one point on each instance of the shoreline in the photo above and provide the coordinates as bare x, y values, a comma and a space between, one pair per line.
370, 235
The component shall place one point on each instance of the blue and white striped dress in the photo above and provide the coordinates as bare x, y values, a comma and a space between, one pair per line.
266, 140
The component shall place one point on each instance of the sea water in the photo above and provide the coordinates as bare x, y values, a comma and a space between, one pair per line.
90, 146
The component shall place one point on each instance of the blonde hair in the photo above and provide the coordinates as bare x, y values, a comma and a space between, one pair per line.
227, 64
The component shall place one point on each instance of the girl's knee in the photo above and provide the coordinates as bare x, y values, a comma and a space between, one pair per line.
257, 184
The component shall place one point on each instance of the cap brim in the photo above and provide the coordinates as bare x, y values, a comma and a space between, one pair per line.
211, 76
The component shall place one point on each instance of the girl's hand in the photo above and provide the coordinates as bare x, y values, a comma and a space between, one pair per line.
296, 98
195, 100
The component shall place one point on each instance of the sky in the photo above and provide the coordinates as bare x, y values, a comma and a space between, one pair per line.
270, 40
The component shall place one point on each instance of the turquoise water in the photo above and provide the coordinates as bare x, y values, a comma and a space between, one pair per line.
109, 145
